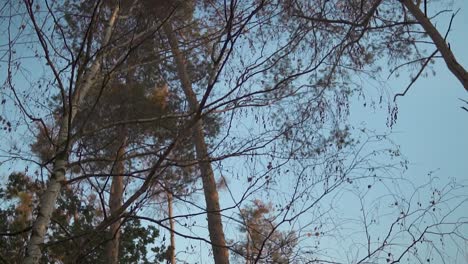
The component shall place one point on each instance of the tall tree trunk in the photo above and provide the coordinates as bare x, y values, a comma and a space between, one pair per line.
57, 177
171, 225
115, 201
439, 42
215, 226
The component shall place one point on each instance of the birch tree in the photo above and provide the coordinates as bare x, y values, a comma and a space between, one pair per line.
276, 76
79, 91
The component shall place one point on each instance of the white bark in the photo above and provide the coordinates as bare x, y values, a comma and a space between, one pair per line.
50, 195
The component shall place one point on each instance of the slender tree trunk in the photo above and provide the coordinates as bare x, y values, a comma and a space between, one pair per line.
215, 226
247, 249
50, 195
171, 225
115, 201
439, 42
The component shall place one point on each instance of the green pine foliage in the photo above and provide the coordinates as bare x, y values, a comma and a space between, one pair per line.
74, 219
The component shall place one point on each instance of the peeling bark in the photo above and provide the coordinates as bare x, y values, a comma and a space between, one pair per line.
215, 226
50, 195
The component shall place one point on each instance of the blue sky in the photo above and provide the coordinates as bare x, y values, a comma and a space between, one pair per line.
431, 128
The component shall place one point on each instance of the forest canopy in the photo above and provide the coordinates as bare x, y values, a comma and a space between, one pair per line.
191, 131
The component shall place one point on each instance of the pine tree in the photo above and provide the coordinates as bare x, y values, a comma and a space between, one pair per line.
76, 215
263, 242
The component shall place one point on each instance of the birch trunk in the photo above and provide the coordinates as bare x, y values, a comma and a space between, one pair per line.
444, 49
215, 226
115, 202
50, 195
